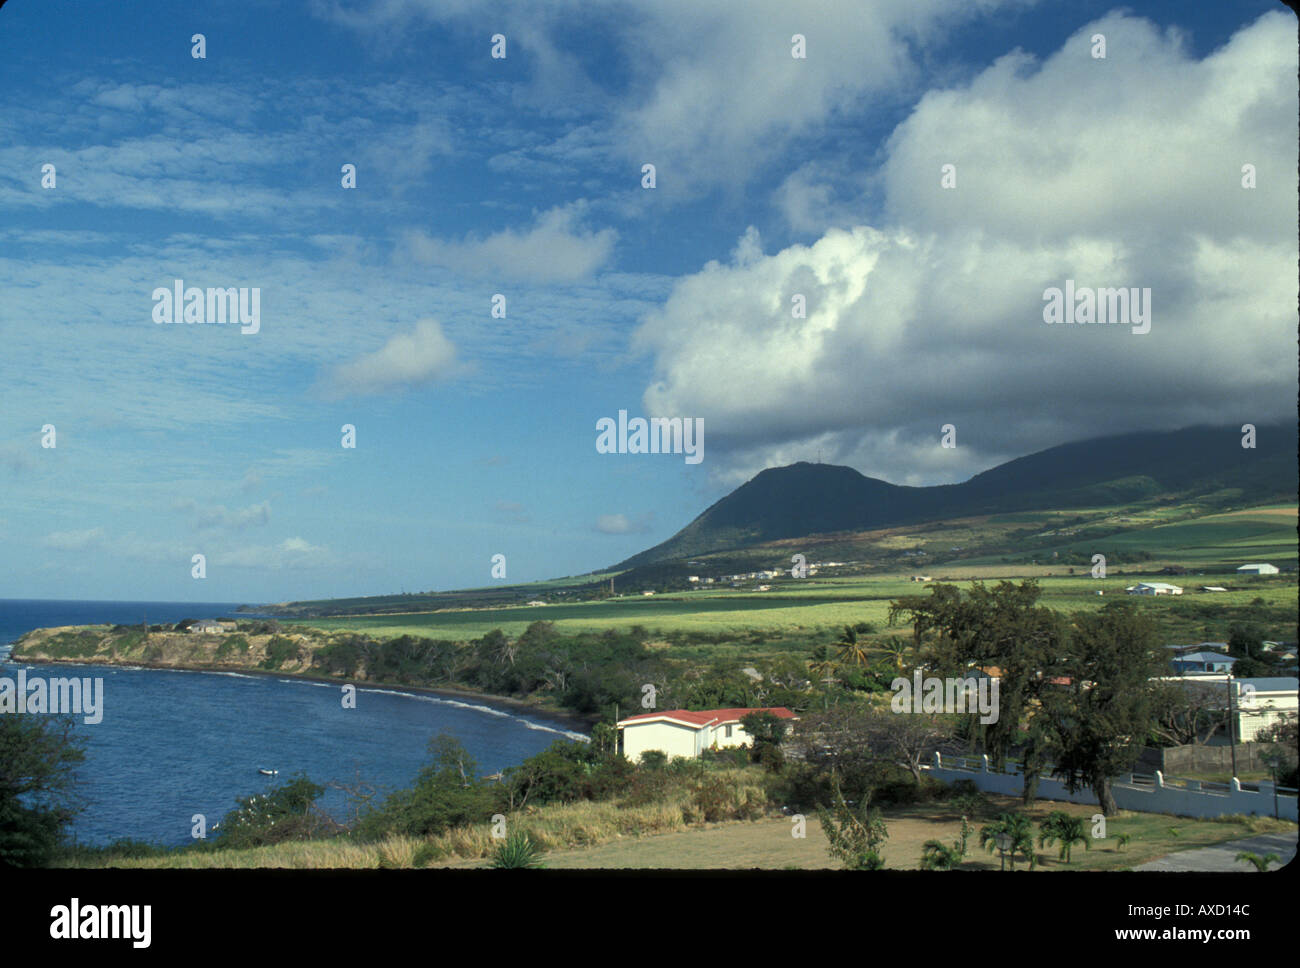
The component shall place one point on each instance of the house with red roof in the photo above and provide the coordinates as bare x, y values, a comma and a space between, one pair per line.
689, 732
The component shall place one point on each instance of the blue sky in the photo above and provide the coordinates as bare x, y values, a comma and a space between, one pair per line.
775, 176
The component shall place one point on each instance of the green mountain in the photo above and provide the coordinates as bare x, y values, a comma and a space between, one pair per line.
1207, 464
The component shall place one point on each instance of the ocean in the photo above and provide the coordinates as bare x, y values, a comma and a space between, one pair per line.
173, 744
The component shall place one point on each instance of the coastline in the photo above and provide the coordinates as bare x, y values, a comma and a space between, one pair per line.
572, 722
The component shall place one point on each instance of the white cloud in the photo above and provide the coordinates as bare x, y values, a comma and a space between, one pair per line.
220, 518
622, 524
407, 359
74, 540
552, 250
1117, 173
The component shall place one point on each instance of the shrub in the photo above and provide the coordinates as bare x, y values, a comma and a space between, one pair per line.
654, 760
426, 854
278, 650
519, 851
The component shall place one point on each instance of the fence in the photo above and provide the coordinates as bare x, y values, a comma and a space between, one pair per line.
1145, 793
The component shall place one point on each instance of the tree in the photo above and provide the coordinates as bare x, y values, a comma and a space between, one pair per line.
446, 793
38, 757
286, 812
855, 836
1107, 710
1002, 627
939, 857
1061, 828
1017, 827
851, 650
896, 649
1187, 713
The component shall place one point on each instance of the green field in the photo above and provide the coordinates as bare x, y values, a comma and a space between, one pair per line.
826, 607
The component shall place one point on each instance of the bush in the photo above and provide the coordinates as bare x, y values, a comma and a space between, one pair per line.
519, 851
278, 650
286, 812
446, 793
38, 757
654, 760
426, 854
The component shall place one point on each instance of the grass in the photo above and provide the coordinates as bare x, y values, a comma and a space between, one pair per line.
658, 836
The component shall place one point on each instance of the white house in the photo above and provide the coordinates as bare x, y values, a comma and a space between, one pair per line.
208, 626
683, 732
1259, 569
1153, 588
1259, 703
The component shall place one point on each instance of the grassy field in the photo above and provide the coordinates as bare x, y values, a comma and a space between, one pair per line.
825, 606
1041, 544
603, 836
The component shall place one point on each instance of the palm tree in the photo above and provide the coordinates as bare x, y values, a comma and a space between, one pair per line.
1261, 863
852, 652
1017, 826
1060, 827
937, 857
822, 664
897, 649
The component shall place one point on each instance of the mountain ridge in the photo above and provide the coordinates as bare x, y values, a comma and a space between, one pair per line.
804, 499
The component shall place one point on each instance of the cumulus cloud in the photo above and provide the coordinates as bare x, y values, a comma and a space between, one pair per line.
407, 359
554, 249
713, 92
1124, 172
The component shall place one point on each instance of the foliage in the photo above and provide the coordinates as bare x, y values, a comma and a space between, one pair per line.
1061, 828
1101, 717
279, 650
286, 812
1261, 863
446, 793
1016, 826
38, 757
855, 835
519, 851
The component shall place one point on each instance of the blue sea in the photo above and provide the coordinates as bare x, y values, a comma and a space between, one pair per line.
173, 744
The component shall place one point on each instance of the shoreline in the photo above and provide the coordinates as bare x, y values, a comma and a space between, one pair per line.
572, 722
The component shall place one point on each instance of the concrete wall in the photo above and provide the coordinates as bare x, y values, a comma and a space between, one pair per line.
1186, 799
1211, 759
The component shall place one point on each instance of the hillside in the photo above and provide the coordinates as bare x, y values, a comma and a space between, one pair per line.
1204, 464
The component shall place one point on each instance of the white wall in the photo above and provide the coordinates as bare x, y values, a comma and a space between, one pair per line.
673, 739
1185, 802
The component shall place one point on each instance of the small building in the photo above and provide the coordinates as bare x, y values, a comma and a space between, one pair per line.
535, 603
647, 594
1259, 703
692, 578
683, 732
1194, 662
210, 626
1153, 588
1257, 569
1213, 588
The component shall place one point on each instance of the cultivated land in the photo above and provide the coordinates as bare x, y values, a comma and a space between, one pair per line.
1137, 543
724, 627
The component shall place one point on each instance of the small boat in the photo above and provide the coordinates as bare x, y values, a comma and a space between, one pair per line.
269, 772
